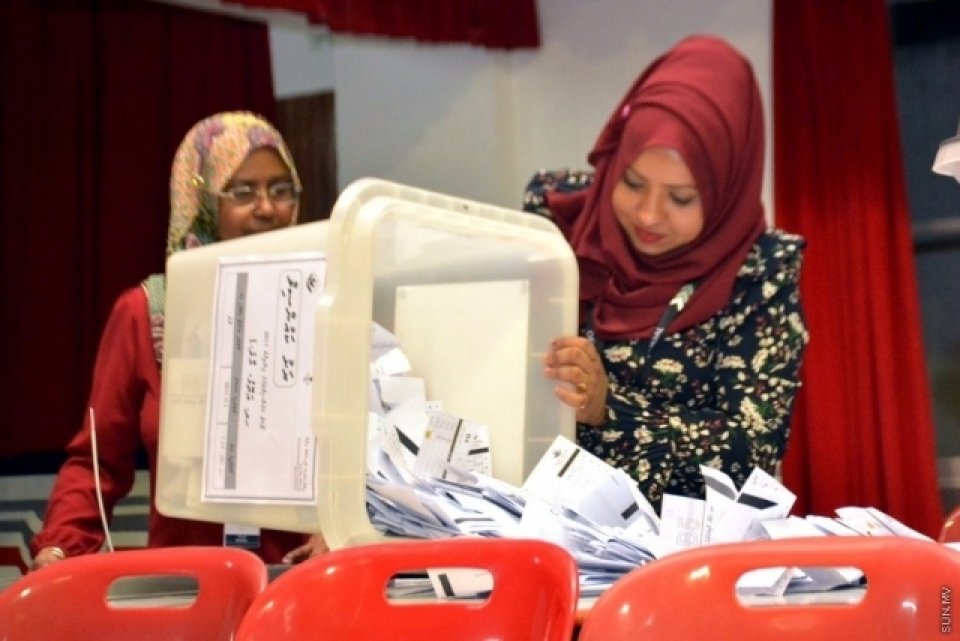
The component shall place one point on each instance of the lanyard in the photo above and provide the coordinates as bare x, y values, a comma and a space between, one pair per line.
674, 307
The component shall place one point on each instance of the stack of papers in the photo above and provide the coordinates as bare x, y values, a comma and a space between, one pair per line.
429, 475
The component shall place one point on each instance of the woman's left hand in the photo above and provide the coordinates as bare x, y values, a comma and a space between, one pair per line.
574, 360
315, 546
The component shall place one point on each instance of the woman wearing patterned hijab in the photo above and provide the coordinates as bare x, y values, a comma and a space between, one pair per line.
232, 175
691, 328
207, 195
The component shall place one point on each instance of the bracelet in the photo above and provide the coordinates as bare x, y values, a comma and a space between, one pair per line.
57, 552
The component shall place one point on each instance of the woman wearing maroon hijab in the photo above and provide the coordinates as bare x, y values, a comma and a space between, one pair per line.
691, 328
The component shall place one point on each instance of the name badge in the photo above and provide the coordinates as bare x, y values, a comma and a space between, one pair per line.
241, 536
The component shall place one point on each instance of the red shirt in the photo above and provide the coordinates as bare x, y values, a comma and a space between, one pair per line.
125, 395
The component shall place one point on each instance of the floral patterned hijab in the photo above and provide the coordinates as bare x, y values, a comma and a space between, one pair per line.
206, 160
700, 98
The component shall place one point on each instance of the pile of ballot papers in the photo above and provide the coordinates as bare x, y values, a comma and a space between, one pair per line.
429, 475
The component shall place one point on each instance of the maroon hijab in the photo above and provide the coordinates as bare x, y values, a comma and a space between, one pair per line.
701, 99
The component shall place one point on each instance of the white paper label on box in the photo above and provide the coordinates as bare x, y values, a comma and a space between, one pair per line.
259, 445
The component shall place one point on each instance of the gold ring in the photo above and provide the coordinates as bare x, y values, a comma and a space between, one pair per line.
582, 388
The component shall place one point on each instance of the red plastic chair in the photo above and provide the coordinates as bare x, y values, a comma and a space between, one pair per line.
342, 595
71, 600
691, 595
950, 532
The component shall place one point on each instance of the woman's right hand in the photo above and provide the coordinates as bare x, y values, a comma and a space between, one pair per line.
46, 556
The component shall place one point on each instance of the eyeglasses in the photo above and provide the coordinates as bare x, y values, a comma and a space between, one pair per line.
282, 194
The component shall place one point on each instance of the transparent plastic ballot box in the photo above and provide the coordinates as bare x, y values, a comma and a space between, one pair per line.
473, 292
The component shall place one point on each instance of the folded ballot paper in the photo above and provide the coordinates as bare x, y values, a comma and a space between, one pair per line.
429, 475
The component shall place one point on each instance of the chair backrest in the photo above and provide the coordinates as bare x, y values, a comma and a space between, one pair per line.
691, 595
342, 595
950, 532
72, 599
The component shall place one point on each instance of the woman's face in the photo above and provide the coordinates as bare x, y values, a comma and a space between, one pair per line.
657, 203
264, 198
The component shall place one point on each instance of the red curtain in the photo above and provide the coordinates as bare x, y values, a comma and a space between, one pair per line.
498, 24
863, 431
96, 97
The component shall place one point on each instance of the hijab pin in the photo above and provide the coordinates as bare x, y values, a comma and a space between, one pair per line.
197, 180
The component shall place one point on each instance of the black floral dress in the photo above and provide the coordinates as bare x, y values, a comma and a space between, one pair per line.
716, 394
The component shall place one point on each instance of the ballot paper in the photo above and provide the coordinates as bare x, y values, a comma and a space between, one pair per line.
453, 441
830, 526
452, 583
569, 476
726, 514
765, 581
681, 522
872, 522
817, 579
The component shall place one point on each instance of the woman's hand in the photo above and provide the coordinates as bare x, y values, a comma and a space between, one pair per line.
315, 546
46, 556
573, 360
